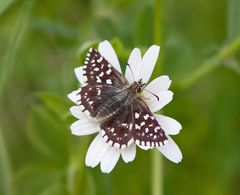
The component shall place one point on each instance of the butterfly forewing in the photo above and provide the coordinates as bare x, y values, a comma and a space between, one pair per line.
99, 97
99, 71
100, 101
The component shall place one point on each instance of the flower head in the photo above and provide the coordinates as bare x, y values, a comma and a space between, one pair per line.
119, 102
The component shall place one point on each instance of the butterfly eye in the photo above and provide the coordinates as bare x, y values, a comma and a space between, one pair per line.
139, 89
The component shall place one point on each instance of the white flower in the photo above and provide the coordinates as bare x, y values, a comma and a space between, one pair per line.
142, 68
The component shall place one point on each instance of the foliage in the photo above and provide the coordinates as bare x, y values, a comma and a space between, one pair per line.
40, 44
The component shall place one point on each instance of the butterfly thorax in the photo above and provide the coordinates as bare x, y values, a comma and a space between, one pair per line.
137, 87
117, 98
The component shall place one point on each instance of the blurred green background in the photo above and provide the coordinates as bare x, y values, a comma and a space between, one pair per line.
42, 41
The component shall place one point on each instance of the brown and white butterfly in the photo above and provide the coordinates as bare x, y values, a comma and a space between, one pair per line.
118, 106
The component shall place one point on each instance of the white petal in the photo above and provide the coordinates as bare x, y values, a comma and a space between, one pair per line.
107, 51
74, 96
84, 127
159, 84
96, 151
148, 62
171, 151
110, 159
169, 125
79, 74
76, 111
164, 98
129, 153
145, 147
134, 62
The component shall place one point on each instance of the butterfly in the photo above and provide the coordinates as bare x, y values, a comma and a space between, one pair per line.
118, 106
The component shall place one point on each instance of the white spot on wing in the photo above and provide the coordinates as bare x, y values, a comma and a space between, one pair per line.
108, 71
137, 126
98, 91
146, 116
98, 79
100, 59
109, 81
146, 130
101, 74
136, 115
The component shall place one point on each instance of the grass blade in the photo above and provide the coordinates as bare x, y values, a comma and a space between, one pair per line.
4, 5
14, 44
5, 170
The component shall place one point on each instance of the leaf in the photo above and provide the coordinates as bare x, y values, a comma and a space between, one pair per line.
59, 105
55, 188
233, 26
13, 46
5, 170
143, 29
40, 179
48, 134
83, 49
105, 27
4, 5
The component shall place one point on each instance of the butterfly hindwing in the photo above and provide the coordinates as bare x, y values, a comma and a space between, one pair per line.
147, 131
133, 123
116, 130
99, 71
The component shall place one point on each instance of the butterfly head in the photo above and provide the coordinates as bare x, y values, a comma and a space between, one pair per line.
138, 86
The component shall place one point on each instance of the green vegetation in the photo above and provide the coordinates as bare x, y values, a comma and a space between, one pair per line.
42, 41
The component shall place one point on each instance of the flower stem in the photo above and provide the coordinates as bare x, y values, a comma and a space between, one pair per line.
157, 173
210, 64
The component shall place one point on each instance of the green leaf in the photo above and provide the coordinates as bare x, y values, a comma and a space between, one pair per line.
233, 26
39, 179
5, 170
83, 49
55, 188
57, 104
15, 40
105, 27
143, 29
4, 5
48, 134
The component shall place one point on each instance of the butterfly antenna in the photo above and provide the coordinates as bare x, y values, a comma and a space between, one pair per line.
131, 71
152, 94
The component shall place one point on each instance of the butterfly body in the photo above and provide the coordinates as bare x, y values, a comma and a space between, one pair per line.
118, 106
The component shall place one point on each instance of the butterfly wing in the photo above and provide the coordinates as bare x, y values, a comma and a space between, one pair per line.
100, 97
133, 123
100, 72
147, 131
117, 129
100, 101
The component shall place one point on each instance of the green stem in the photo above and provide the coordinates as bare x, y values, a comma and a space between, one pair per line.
211, 64
157, 173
